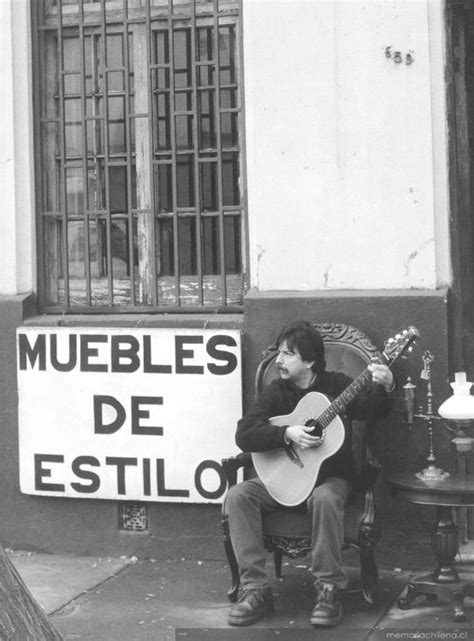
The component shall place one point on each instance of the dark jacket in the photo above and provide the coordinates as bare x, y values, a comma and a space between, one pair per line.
256, 434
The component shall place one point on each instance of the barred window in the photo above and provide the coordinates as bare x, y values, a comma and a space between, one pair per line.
139, 155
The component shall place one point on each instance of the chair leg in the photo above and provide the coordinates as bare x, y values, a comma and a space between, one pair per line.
234, 568
277, 561
369, 535
368, 573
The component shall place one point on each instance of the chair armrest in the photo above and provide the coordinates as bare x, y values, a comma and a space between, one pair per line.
232, 464
370, 472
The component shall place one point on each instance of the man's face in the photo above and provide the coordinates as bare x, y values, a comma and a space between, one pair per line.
291, 366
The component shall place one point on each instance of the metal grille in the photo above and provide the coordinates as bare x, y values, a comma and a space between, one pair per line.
133, 517
139, 155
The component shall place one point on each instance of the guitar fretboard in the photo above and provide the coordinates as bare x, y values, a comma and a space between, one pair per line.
351, 391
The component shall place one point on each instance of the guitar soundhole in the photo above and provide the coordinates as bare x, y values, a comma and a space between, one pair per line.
317, 430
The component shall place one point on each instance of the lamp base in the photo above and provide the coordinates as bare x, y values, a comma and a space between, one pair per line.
432, 473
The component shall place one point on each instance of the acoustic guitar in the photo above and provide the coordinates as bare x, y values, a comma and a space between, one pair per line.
290, 473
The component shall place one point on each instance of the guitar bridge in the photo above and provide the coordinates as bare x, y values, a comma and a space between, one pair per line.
293, 456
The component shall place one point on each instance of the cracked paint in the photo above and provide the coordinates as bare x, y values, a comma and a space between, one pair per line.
326, 277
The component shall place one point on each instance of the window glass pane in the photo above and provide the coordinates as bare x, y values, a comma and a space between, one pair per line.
163, 124
72, 110
161, 78
230, 179
98, 262
72, 84
207, 128
227, 55
185, 181
163, 188
206, 75
165, 254
161, 50
210, 245
187, 245
95, 138
232, 244
182, 59
75, 238
118, 189
114, 50
96, 186
228, 98
209, 186
71, 54
229, 130
205, 44
73, 135
120, 251
74, 191
117, 141
115, 81
98, 250
183, 101
184, 132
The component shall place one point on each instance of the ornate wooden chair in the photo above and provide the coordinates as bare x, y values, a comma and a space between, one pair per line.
287, 531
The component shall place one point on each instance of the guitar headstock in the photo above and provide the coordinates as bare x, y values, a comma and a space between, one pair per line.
400, 343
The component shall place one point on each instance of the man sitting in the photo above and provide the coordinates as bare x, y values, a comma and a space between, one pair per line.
302, 369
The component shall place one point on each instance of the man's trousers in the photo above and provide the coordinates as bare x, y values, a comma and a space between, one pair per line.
244, 506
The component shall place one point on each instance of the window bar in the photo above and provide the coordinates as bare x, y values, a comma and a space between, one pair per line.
174, 156
220, 204
105, 93
62, 177
126, 60
157, 161
151, 137
85, 181
97, 141
197, 177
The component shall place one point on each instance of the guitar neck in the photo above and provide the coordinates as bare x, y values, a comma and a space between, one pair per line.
351, 391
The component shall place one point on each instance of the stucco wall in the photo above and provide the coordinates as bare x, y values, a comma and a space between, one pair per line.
347, 182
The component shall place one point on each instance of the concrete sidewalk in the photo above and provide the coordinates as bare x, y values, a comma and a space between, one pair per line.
126, 599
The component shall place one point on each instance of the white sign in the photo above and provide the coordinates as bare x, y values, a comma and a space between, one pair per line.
135, 414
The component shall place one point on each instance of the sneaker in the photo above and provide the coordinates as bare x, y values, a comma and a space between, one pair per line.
252, 606
327, 610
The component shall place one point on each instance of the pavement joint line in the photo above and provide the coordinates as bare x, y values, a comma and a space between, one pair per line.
389, 608
59, 610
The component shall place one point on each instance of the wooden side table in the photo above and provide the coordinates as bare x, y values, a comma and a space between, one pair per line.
444, 581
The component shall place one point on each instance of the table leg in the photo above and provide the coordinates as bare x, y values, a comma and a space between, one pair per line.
444, 580
445, 546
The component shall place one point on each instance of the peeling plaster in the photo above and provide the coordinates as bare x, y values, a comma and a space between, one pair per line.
414, 254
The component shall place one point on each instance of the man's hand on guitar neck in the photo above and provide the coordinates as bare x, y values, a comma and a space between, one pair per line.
299, 435
382, 375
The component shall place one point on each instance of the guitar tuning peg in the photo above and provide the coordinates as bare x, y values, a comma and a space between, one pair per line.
405, 332
398, 336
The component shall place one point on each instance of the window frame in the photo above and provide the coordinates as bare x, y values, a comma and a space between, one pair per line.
83, 217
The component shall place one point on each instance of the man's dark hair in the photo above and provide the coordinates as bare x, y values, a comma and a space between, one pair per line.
307, 340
